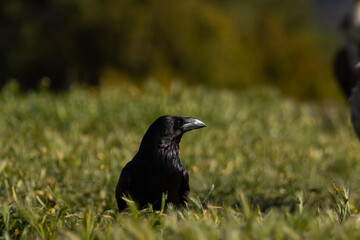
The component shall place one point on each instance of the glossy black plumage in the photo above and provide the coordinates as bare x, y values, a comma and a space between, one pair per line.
156, 168
354, 101
348, 54
344, 68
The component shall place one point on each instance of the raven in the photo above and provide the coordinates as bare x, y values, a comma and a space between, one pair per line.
156, 168
354, 101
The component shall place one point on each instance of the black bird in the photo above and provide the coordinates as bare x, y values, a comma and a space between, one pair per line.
354, 101
348, 55
344, 70
156, 168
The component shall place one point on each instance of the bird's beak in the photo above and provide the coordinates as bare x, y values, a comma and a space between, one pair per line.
191, 124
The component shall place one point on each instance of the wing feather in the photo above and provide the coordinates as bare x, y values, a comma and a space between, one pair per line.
354, 101
123, 186
184, 188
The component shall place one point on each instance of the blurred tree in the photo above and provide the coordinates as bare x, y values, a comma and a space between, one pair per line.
220, 43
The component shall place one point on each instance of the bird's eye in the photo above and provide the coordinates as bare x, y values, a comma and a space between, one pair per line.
178, 122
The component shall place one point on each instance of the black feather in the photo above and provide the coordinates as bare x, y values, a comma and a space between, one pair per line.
156, 168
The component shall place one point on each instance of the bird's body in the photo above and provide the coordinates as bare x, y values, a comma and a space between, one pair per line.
354, 101
146, 181
156, 168
344, 67
348, 54
347, 63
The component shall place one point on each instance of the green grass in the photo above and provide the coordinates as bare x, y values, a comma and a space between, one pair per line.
265, 167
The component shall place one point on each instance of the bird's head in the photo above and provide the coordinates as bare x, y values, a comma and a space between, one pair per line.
168, 130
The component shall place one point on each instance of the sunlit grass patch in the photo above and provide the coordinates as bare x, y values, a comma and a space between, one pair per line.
264, 167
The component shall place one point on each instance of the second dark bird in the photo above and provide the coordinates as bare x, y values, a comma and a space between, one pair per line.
156, 168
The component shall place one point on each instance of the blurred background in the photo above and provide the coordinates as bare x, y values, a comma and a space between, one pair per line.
229, 43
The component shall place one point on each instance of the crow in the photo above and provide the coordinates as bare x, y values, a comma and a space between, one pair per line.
354, 101
156, 168
349, 54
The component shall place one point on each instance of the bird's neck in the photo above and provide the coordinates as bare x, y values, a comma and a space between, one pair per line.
164, 151
169, 154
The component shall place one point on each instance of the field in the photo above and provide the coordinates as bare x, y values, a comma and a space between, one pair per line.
265, 167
